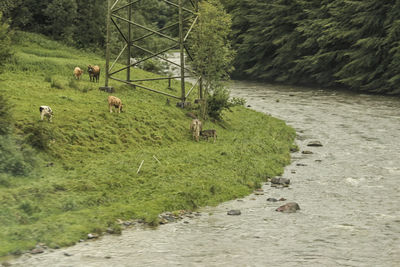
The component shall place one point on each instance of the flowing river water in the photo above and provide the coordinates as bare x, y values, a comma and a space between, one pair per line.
348, 191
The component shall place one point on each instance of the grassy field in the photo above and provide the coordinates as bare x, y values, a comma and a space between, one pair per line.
86, 161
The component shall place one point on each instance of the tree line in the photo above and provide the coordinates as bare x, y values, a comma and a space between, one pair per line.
78, 23
340, 43
329, 43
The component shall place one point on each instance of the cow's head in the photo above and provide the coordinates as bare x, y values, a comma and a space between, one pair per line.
90, 69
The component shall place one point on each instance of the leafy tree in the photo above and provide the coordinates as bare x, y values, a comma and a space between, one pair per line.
90, 24
61, 15
212, 54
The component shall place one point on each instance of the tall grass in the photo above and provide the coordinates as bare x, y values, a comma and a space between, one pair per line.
88, 158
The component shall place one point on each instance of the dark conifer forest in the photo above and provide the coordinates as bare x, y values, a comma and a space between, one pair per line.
340, 43
329, 43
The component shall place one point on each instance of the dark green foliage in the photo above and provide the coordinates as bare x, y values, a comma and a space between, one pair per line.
328, 43
83, 23
5, 43
217, 102
5, 116
15, 158
61, 15
39, 134
212, 56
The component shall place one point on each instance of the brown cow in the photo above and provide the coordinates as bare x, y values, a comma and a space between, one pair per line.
209, 133
116, 102
94, 73
77, 73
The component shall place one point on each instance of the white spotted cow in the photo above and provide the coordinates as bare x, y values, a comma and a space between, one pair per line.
46, 111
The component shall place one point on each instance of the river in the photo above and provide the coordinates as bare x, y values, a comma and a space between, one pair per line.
348, 191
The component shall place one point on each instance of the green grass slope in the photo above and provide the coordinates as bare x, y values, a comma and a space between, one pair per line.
87, 159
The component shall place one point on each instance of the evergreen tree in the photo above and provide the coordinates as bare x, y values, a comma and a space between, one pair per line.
368, 54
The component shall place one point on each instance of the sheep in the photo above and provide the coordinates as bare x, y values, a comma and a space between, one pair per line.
77, 73
46, 111
116, 102
195, 128
94, 73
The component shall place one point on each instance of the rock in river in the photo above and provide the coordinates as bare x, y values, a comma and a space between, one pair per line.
289, 207
314, 143
234, 212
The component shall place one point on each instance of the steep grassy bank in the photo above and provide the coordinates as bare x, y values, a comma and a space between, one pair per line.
85, 176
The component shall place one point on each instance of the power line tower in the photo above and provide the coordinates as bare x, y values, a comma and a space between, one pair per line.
122, 15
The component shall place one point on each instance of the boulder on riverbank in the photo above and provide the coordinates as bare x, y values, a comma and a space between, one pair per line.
314, 143
284, 182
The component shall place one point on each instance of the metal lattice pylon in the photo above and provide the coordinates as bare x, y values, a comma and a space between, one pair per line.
114, 18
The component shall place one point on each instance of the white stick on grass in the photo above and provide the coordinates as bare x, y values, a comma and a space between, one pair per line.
140, 166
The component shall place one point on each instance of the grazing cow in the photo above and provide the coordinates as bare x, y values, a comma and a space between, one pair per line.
196, 127
115, 102
94, 73
77, 73
209, 133
46, 111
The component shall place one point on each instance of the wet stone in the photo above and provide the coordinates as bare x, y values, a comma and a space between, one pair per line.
314, 143
280, 181
92, 236
307, 152
271, 199
290, 207
127, 223
234, 212
258, 192
37, 251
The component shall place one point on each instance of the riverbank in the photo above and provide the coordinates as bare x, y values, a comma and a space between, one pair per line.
86, 175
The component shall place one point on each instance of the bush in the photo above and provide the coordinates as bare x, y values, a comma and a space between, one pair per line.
238, 101
15, 159
217, 102
39, 135
5, 117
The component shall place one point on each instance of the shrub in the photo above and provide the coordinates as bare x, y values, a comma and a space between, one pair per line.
217, 102
238, 101
5, 117
15, 159
38, 135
